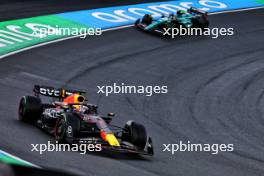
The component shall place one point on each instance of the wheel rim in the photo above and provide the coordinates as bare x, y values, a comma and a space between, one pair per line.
59, 132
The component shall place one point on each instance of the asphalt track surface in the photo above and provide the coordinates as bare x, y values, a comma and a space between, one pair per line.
215, 96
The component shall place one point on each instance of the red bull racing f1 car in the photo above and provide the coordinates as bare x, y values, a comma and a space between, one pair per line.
72, 120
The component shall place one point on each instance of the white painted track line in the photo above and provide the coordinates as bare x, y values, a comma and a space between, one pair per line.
18, 159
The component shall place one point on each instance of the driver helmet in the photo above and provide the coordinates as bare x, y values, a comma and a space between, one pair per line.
75, 98
180, 12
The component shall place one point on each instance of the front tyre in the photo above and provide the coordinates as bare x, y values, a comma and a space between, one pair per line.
135, 133
30, 109
67, 128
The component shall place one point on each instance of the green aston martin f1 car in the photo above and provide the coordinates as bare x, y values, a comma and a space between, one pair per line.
192, 18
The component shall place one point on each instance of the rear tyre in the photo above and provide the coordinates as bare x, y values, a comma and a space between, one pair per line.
67, 128
30, 109
201, 22
135, 133
147, 19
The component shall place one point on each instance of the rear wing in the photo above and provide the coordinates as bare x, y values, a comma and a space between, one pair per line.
55, 92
